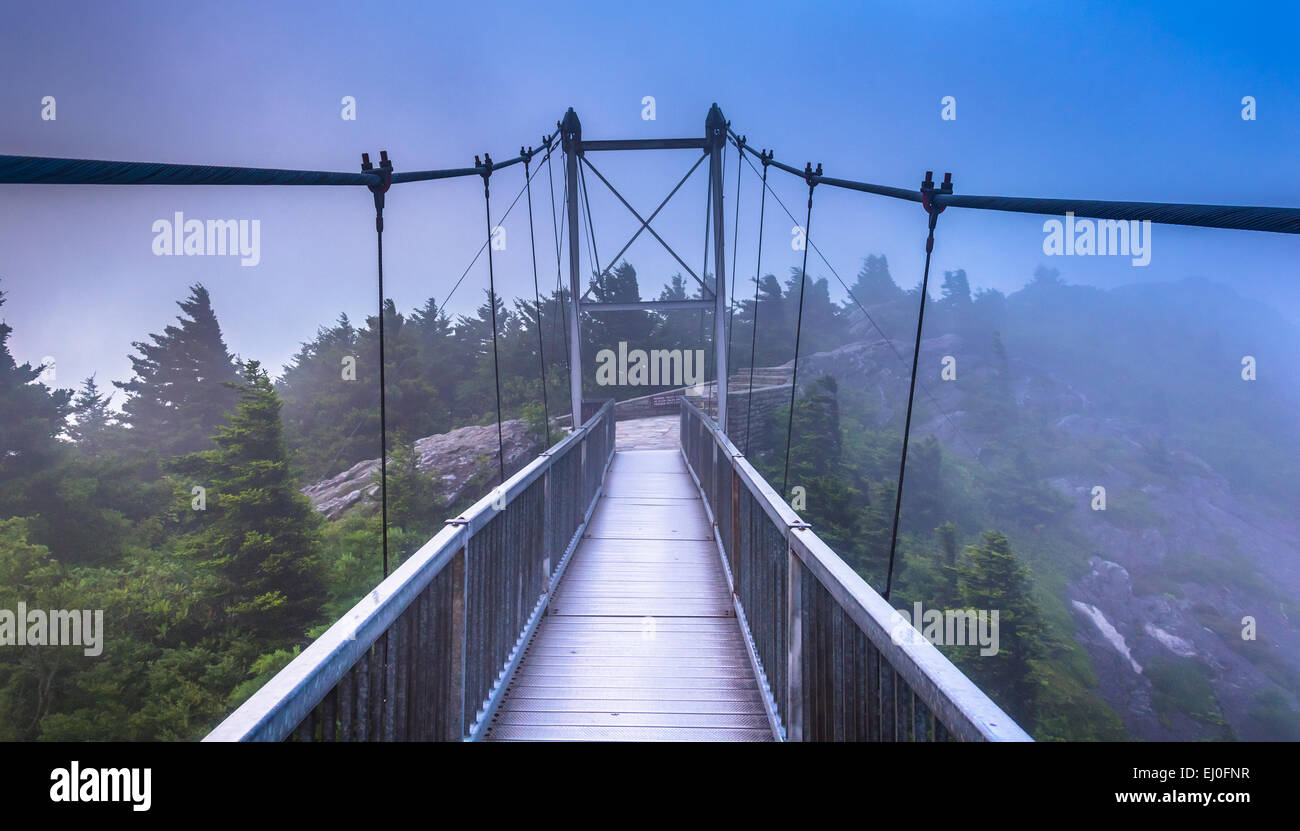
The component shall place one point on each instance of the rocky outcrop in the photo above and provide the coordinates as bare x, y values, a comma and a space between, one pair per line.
451, 459
1182, 560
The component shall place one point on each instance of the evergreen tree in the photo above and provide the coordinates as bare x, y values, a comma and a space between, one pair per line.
258, 536
991, 577
437, 364
956, 288
874, 284
91, 417
822, 324
948, 545
32, 416
771, 346
330, 392
923, 487
180, 392
414, 503
834, 498
607, 329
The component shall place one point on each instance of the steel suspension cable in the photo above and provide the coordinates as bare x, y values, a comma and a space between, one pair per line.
484, 246
383, 404
883, 336
537, 302
933, 212
758, 277
1241, 217
798, 331
704, 271
556, 232
492, 304
385, 172
735, 252
559, 287
591, 228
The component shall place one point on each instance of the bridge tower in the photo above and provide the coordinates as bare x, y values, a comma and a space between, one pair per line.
713, 143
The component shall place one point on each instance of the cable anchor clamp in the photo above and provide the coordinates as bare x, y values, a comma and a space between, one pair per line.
485, 170
928, 191
385, 174
811, 176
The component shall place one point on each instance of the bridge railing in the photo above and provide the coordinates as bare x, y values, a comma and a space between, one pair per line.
822, 636
426, 654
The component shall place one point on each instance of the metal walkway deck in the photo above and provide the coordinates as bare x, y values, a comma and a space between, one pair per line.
641, 641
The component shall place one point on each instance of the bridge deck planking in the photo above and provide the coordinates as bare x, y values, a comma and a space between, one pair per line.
640, 642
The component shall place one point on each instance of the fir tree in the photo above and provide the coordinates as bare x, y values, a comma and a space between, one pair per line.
990, 577
874, 284
330, 392
257, 543
956, 288
180, 392
91, 417
32, 416
414, 504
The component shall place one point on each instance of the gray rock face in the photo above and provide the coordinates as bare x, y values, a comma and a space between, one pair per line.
451, 459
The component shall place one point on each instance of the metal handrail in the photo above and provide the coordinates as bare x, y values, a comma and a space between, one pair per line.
823, 638
390, 641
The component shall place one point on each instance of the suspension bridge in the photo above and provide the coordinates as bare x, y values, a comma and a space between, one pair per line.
607, 593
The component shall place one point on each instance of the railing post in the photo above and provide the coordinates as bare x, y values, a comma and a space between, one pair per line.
548, 529
734, 554
794, 647
459, 575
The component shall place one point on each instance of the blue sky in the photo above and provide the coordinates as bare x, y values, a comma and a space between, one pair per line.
1094, 100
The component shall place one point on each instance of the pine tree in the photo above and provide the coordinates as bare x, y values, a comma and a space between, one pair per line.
257, 544
956, 288
180, 392
414, 503
874, 284
989, 577
32, 416
834, 500
91, 417
330, 392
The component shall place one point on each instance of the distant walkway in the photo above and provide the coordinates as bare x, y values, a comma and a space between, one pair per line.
655, 433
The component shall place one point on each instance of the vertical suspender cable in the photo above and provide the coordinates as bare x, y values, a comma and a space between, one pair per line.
798, 329
735, 250
704, 271
927, 189
591, 228
758, 277
559, 284
492, 303
537, 296
386, 171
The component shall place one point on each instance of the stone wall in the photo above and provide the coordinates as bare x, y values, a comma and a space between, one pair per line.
766, 400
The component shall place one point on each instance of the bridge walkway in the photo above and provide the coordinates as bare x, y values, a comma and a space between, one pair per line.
641, 640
